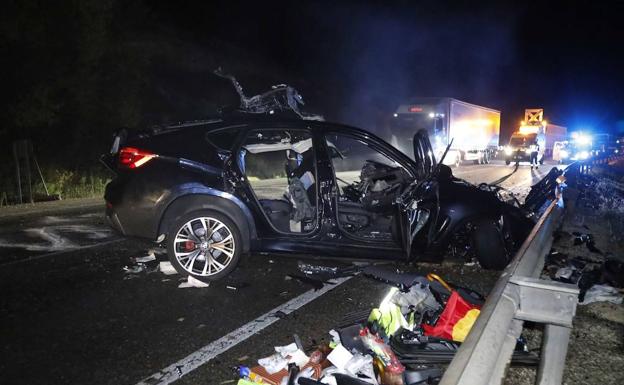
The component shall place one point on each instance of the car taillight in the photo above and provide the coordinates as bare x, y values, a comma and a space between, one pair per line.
130, 157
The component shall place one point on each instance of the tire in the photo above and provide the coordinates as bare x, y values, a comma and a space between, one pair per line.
489, 245
507, 162
199, 252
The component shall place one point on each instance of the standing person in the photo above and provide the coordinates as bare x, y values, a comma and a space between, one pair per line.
534, 152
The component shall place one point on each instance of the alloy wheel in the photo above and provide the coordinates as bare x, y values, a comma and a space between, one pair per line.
204, 246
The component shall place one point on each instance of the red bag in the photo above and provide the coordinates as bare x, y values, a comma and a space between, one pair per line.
455, 309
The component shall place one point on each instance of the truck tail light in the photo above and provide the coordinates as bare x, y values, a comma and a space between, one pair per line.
130, 157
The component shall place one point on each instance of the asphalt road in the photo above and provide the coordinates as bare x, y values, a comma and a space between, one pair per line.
70, 314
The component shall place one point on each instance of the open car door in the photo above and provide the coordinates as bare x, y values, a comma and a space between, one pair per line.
418, 205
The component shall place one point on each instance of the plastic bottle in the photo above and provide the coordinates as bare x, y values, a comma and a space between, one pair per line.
246, 373
391, 363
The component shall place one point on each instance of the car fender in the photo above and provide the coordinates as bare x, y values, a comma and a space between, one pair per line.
193, 197
462, 209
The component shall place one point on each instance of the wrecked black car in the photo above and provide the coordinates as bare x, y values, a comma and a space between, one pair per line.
216, 190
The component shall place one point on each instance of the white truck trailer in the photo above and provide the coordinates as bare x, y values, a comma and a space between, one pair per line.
554, 133
474, 129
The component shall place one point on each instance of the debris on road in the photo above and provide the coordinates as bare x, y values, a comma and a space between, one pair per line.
148, 258
167, 268
586, 239
584, 272
418, 326
146, 264
135, 269
602, 293
192, 282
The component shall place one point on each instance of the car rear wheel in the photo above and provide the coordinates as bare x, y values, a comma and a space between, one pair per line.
204, 244
489, 245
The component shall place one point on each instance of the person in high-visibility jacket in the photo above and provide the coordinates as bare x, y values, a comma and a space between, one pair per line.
534, 152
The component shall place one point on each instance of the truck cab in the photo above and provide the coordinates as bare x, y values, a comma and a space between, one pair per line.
519, 147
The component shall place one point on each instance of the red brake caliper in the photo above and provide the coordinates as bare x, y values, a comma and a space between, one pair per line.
189, 246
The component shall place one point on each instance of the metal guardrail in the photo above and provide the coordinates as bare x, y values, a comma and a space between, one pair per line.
518, 296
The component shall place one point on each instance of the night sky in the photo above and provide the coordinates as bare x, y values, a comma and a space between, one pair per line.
566, 59
88, 67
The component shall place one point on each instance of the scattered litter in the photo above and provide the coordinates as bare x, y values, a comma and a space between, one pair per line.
192, 282
284, 355
602, 293
147, 258
243, 358
135, 269
565, 272
421, 319
584, 272
237, 286
167, 268
181, 319
586, 239
340, 356
201, 326
308, 269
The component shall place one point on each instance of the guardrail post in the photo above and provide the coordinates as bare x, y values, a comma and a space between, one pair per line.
555, 347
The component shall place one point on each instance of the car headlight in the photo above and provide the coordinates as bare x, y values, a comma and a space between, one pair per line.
527, 151
508, 150
583, 155
563, 154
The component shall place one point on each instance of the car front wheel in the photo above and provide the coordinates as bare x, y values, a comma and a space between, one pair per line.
204, 244
490, 245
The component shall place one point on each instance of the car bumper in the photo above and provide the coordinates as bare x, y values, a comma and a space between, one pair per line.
518, 156
113, 219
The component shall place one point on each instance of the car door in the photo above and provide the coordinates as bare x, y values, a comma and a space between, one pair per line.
368, 176
419, 205
278, 164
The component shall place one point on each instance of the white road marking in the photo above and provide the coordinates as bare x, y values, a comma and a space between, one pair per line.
193, 361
